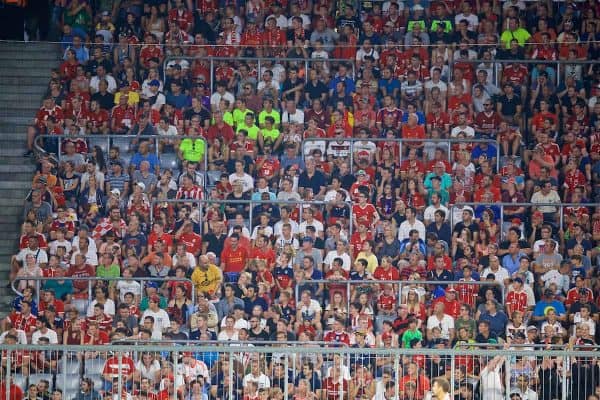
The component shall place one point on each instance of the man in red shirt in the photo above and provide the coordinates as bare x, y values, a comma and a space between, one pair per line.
182, 17
119, 365
412, 130
233, 258
158, 234
23, 320
488, 121
80, 270
334, 386
386, 271
364, 212
451, 305
438, 119
187, 236
516, 299
49, 299
262, 251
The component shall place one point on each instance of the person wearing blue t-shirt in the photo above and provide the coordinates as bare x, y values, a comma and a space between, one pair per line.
548, 302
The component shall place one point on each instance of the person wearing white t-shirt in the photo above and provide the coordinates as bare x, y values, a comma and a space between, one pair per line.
128, 285
411, 223
162, 322
18, 333
257, 376
43, 331
500, 273
441, 320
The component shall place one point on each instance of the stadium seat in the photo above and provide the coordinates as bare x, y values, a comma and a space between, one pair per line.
93, 367
169, 161
67, 381
20, 380
69, 366
124, 145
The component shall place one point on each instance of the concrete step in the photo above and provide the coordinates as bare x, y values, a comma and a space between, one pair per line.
11, 197
14, 78
26, 103
21, 122
19, 112
18, 96
34, 70
14, 185
37, 61
23, 89
18, 134
30, 47
15, 159
13, 151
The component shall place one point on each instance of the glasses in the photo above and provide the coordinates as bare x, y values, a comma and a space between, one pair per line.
487, 104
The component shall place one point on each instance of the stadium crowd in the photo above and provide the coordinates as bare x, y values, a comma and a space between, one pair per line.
332, 204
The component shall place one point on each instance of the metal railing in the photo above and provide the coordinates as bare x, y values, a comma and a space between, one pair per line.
498, 63
399, 284
446, 143
306, 61
281, 367
252, 203
106, 141
529, 209
40, 281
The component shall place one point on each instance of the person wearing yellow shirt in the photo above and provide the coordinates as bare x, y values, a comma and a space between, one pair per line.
207, 277
270, 134
249, 126
367, 254
133, 97
514, 31
240, 112
269, 111
192, 148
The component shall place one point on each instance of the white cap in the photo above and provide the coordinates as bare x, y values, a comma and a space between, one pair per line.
142, 185
116, 192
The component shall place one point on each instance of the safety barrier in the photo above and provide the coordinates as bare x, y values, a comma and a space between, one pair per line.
250, 223
232, 370
553, 214
445, 143
92, 281
497, 64
126, 146
400, 286
307, 62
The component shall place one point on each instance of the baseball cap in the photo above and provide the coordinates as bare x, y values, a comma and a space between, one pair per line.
519, 280
141, 185
116, 192
361, 172
307, 239
516, 221
105, 14
548, 292
154, 82
152, 284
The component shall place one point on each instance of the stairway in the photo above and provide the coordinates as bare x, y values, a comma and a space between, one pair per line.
24, 75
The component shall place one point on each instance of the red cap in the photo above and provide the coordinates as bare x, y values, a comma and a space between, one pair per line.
516, 221
538, 214
155, 298
135, 85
